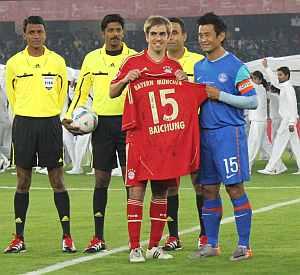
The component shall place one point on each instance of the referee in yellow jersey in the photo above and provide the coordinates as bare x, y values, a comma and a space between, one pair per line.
36, 85
98, 69
187, 60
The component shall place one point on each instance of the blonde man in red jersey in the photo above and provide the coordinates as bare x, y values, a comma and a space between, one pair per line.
155, 61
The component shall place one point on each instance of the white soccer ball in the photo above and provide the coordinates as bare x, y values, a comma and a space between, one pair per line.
85, 119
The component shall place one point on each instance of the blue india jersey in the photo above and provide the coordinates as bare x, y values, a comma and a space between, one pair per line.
229, 75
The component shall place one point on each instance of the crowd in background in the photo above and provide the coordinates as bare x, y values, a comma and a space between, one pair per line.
73, 45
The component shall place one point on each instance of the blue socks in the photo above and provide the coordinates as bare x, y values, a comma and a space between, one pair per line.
212, 214
243, 216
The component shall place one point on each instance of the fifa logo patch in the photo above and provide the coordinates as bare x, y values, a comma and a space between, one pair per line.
48, 81
131, 174
222, 77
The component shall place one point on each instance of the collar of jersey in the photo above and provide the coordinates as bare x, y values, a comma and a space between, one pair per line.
125, 49
219, 58
46, 51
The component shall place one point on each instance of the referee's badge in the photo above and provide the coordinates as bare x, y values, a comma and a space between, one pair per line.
48, 81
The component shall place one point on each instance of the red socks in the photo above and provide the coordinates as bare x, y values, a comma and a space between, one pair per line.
134, 218
158, 216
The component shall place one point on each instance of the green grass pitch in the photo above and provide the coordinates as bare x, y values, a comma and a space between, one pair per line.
275, 235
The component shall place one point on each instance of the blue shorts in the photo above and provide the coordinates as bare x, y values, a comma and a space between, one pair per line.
224, 156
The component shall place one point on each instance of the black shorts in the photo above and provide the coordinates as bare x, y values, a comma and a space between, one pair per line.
37, 141
108, 139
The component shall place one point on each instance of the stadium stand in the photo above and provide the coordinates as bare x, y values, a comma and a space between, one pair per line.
247, 37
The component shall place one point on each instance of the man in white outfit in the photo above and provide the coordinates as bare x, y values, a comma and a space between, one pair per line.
76, 145
287, 131
5, 125
258, 122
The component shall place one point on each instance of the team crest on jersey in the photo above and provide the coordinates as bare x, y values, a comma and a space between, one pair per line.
131, 174
222, 77
48, 81
167, 69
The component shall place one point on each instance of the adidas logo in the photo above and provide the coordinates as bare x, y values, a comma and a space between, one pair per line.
18, 220
98, 215
65, 219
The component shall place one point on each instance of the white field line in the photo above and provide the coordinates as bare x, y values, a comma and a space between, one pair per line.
83, 259
182, 188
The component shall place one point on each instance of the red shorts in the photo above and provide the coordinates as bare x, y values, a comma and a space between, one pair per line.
137, 173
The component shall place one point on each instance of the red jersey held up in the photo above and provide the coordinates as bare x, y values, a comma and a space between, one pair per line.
161, 120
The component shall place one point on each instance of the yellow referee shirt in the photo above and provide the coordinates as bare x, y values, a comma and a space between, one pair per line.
36, 86
97, 71
187, 62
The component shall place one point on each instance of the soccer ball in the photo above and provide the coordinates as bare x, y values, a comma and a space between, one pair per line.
85, 120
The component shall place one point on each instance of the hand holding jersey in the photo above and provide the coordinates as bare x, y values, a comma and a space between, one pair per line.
212, 92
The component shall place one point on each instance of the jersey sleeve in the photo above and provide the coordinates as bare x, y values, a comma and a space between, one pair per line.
82, 90
129, 118
243, 82
63, 88
9, 84
123, 71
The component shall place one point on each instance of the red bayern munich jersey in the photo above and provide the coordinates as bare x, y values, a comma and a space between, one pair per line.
143, 62
161, 120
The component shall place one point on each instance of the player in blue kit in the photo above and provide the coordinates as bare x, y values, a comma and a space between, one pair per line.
224, 153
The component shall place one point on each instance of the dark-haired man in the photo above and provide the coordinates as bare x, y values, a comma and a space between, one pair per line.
224, 153
98, 69
287, 131
36, 83
187, 60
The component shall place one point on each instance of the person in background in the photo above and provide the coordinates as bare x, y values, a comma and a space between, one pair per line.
287, 131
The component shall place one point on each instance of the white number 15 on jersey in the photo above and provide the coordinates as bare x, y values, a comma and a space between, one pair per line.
164, 101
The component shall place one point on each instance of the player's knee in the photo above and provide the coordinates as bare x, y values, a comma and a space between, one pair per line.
102, 179
198, 189
56, 179
58, 185
236, 190
23, 182
159, 191
136, 193
210, 192
23, 186
102, 183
